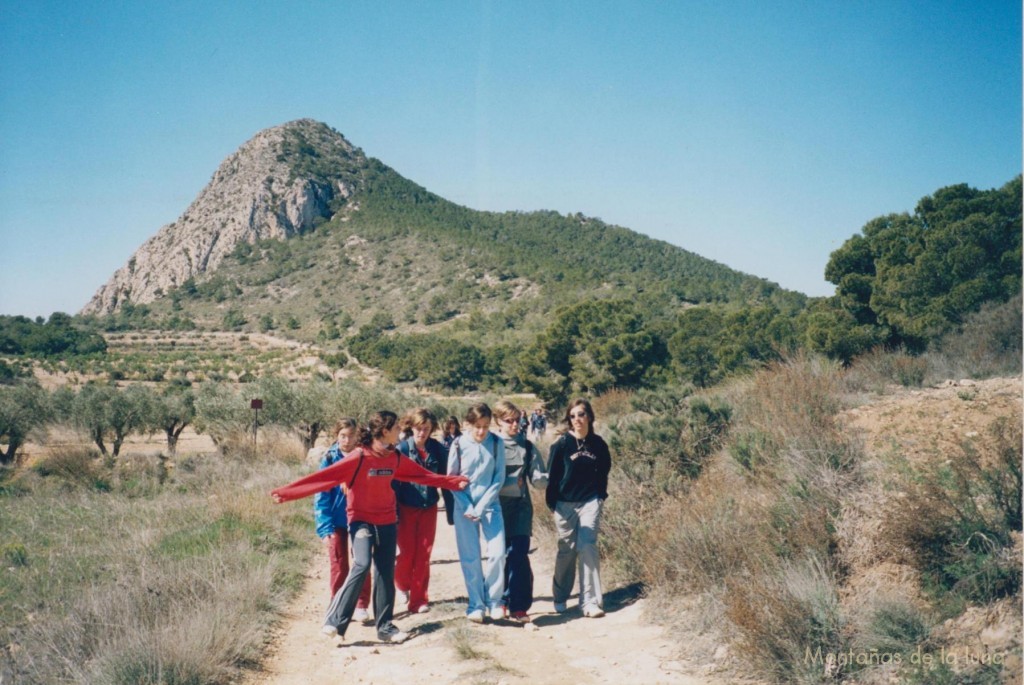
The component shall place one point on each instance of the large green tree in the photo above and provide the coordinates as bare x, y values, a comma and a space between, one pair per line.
915, 276
592, 347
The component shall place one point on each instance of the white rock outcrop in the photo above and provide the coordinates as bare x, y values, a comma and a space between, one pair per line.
258, 192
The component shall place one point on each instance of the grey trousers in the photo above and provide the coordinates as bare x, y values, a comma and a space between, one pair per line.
577, 525
369, 542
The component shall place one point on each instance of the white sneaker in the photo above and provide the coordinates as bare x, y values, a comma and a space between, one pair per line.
476, 616
560, 607
423, 609
393, 634
593, 611
404, 594
360, 615
331, 632
497, 613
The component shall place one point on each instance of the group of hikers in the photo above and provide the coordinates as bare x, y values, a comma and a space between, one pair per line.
376, 500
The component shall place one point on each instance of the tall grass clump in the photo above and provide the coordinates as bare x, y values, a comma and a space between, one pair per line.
735, 498
166, 575
797, 464
790, 621
958, 519
879, 368
664, 444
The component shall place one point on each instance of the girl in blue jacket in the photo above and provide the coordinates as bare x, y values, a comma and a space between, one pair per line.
480, 455
331, 520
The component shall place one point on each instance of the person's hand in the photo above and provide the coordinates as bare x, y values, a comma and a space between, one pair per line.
474, 519
463, 482
329, 537
277, 497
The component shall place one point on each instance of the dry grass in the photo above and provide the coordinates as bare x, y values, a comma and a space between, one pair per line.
788, 615
761, 535
752, 529
462, 639
157, 576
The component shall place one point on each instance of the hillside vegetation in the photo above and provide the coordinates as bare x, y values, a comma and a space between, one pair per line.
448, 297
451, 298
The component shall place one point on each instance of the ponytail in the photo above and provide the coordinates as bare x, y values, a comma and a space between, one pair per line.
379, 424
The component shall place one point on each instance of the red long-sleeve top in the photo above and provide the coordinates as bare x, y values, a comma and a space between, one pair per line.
370, 497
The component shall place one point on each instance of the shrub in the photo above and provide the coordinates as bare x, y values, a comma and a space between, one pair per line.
75, 466
890, 625
14, 554
790, 621
662, 454
234, 319
988, 343
957, 519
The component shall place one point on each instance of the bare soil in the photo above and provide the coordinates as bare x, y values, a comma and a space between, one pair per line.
621, 647
626, 646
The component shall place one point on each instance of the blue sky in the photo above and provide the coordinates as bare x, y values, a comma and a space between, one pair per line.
759, 134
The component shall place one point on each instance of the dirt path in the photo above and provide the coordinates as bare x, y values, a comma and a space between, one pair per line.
619, 648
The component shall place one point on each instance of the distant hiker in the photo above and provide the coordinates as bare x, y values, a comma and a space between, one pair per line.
523, 464
451, 431
331, 519
578, 467
417, 512
404, 429
538, 424
480, 455
368, 471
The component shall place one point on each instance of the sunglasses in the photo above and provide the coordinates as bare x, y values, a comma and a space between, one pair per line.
578, 416
512, 422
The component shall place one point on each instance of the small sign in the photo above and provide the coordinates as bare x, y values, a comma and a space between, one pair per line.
256, 404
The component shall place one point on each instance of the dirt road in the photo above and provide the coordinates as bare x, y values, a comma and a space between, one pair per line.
446, 648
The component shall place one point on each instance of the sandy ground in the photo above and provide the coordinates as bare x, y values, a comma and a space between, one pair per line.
619, 648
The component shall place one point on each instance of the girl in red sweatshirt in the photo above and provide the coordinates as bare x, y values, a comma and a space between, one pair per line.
368, 472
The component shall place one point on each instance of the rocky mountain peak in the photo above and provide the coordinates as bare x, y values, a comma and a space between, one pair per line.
282, 182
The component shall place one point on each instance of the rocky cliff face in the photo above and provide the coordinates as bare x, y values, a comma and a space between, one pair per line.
278, 184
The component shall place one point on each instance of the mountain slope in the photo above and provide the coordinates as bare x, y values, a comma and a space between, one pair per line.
300, 232
277, 185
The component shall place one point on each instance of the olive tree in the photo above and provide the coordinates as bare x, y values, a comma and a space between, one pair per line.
171, 412
106, 412
305, 409
23, 409
221, 412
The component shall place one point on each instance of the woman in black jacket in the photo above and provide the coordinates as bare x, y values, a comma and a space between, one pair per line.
578, 466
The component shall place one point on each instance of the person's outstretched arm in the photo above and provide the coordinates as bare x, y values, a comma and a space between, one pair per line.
325, 479
410, 471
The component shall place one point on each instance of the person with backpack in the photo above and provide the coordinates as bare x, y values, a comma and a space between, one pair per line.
417, 512
480, 455
578, 467
523, 464
371, 509
332, 521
